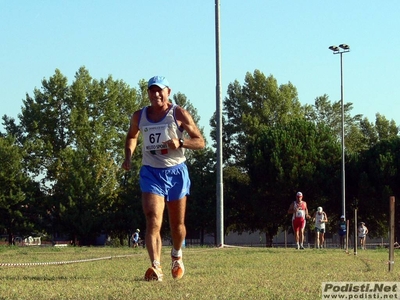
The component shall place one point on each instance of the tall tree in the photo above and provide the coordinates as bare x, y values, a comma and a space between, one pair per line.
250, 110
381, 130
16, 205
259, 103
201, 209
330, 114
76, 135
360, 134
375, 173
285, 158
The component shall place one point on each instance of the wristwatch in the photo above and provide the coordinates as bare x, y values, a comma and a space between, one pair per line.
180, 143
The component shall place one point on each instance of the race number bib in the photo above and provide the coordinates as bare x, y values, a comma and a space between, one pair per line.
300, 214
154, 135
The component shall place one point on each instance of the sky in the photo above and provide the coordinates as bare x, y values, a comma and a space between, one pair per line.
133, 40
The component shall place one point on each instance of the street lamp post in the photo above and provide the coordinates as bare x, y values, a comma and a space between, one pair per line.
343, 48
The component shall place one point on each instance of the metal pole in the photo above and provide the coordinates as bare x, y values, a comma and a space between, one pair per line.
220, 188
343, 144
343, 48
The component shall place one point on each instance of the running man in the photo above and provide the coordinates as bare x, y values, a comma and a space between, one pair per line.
299, 212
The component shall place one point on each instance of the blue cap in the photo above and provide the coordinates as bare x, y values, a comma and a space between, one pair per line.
160, 81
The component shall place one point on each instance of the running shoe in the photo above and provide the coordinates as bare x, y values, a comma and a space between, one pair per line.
177, 268
154, 274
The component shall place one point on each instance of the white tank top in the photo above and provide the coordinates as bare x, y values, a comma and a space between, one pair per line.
154, 153
361, 231
318, 219
299, 213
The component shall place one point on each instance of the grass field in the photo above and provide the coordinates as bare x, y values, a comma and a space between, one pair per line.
211, 273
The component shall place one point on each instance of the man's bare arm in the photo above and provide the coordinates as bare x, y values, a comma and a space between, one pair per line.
185, 120
131, 140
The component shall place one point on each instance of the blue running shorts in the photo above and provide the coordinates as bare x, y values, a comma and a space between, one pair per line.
173, 183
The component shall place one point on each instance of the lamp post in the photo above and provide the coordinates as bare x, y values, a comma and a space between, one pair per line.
343, 48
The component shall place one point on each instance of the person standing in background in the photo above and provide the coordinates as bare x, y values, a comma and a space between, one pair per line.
342, 231
135, 239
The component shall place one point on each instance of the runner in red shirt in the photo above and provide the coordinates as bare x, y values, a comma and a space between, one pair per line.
299, 211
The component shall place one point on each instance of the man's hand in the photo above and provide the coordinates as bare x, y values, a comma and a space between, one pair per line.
126, 165
172, 144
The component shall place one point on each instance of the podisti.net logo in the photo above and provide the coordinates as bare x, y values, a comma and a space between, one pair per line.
360, 290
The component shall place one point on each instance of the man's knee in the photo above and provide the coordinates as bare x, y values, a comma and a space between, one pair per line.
153, 222
177, 227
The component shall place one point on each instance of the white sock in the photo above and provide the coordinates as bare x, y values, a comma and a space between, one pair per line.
176, 253
156, 264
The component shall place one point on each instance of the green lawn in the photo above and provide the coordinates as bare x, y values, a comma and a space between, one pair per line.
211, 273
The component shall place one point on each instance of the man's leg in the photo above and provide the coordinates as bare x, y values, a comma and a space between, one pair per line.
153, 208
296, 230
317, 238
297, 236
176, 213
303, 225
301, 238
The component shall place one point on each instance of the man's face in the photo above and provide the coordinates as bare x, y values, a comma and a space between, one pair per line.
299, 198
158, 96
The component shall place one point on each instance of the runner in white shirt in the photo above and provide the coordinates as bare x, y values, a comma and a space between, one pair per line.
320, 219
362, 234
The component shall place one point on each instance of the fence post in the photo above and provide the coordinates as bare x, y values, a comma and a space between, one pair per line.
355, 232
347, 236
285, 238
391, 234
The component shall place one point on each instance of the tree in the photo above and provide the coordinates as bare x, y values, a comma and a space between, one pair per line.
375, 174
16, 207
260, 103
75, 134
255, 115
239, 213
360, 134
330, 114
383, 129
201, 211
285, 158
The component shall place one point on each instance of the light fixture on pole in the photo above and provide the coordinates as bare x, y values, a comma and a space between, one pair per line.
343, 48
